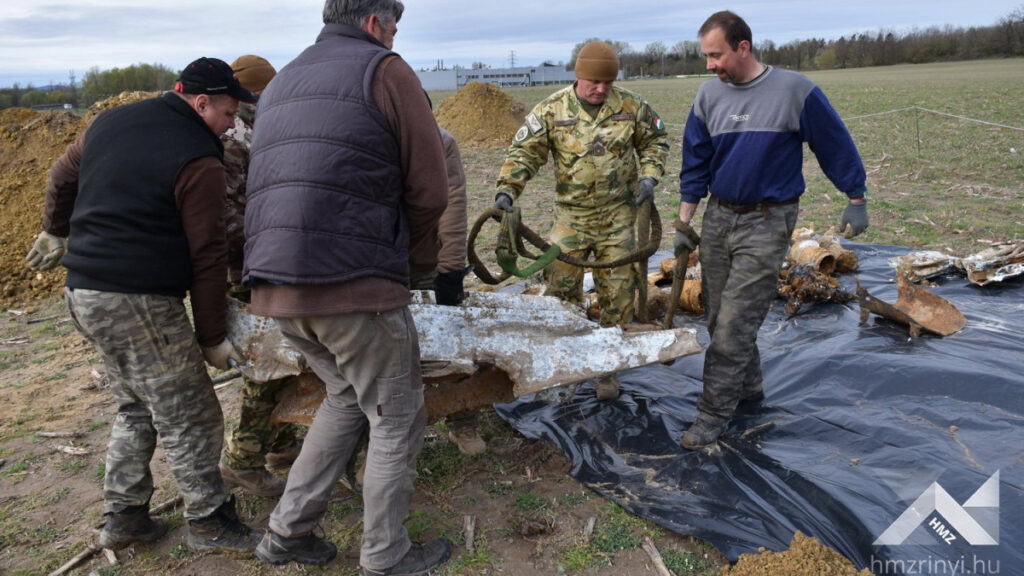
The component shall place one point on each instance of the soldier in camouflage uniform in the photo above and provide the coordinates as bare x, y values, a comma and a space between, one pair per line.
609, 148
139, 199
255, 436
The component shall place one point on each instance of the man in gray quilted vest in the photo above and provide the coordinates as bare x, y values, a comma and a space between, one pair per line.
346, 186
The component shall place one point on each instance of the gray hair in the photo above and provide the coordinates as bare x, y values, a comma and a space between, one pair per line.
356, 12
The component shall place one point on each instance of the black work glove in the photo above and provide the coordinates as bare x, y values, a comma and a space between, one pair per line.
503, 201
646, 191
686, 238
448, 287
855, 219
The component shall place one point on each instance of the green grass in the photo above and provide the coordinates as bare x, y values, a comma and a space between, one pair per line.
440, 466
418, 523
72, 465
960, 174
615, 530
684, 563
529, 502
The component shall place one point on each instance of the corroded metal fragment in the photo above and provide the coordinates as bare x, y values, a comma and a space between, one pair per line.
915, 307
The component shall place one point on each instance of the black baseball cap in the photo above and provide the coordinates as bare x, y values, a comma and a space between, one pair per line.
212, 76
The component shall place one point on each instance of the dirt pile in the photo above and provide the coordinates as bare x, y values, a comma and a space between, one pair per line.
805, 557
481, 116
30, 142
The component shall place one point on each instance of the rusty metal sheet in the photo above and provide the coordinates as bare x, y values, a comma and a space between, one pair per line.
915, 307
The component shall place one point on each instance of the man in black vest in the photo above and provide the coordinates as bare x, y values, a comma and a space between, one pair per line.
138, 202
346, 185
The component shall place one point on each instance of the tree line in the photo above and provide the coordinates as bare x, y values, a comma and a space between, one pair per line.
96, 85
1005, 39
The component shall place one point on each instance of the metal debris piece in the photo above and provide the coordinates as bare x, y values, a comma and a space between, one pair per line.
995, 264
491, 348
539, 341
804, 283
924, 264
915, 307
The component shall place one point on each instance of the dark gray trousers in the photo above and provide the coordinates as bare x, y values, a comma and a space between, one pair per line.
740, 258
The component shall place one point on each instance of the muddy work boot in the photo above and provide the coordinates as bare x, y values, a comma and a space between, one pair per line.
283, 459
308, 549
750, 399
420, 560
607, 387
463, 433
130, 525
222, 531
255, 481
703, 433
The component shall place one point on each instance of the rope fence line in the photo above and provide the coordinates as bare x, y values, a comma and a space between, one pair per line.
916, 108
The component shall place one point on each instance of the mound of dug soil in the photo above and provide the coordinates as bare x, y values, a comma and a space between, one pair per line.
30, 142
805, 557
481, 116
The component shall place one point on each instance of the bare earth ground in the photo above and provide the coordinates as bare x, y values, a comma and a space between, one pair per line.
530, 513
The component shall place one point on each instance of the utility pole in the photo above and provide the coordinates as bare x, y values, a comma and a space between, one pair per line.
511, 58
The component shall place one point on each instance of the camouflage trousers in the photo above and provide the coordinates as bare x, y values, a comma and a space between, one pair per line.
159, 381
608, 234
256, 433
740, 258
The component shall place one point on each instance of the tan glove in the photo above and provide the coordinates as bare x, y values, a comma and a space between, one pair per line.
46, 251
223, 355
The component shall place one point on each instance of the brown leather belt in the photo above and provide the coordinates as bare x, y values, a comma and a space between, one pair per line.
747, 208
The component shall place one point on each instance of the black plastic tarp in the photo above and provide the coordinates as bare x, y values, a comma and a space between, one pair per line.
859, 423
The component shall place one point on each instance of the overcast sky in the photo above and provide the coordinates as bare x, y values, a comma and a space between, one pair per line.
42, 41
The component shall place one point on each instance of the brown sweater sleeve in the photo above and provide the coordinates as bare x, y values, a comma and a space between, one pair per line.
62, 189
199, 193
399, 95
452, 228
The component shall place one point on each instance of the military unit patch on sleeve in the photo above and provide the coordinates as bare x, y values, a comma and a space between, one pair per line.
522, 133
534, 123
656, 122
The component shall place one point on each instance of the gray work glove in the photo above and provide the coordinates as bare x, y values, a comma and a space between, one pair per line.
503, 201
855, 219
46, 251
223, 356
686, 238
646, 191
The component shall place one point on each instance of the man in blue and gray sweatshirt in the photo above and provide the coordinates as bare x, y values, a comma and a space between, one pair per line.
743, 145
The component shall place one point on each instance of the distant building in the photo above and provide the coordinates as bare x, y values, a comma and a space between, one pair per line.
458, 77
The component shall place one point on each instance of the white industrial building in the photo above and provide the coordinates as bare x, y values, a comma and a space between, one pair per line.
458, 77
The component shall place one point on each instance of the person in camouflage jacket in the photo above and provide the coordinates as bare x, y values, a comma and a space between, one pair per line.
609, 147
256, 441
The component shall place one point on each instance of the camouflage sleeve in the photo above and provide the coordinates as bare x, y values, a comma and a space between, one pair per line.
528, 152
236, 166
651, 141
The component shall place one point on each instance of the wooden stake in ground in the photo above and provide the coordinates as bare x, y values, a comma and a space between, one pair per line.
81, 557
469, 530
659, 562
